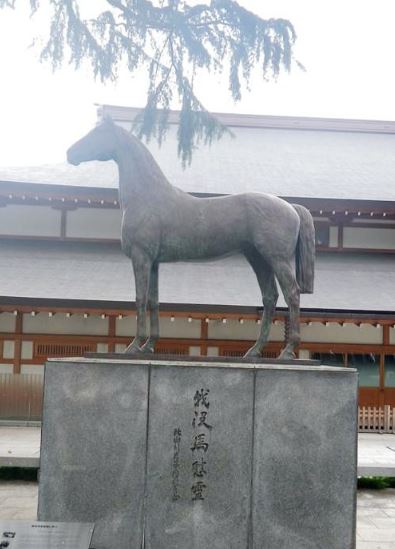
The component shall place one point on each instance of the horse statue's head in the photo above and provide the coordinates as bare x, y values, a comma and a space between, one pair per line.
98, 144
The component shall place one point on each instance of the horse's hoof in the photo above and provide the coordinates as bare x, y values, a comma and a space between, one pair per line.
287, 355
148, 349
252, 353
133, 350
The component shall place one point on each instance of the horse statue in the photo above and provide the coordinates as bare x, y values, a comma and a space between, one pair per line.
161, 223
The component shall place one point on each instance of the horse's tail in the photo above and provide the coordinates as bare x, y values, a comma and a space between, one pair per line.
305, 251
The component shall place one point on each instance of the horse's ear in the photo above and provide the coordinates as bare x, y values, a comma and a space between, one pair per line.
106, 120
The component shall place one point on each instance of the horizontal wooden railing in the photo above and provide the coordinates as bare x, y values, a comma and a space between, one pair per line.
60, 350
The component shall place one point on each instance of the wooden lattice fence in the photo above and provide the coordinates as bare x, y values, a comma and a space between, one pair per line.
372, 419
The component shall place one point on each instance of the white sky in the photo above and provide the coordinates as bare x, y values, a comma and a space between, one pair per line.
347, 47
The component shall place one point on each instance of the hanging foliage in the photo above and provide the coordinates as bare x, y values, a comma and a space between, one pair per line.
173, 41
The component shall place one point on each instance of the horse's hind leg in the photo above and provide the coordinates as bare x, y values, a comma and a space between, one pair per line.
153, 304
142, 269
289, 287
267, 284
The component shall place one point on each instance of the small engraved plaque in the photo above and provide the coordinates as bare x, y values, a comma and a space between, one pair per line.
19, 534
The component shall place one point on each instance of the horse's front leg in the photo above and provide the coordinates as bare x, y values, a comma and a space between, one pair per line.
153, 304
142, 269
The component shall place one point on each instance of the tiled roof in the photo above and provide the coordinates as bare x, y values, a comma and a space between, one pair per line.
75, 271
285, 162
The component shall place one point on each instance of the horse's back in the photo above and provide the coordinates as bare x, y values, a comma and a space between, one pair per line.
265, 221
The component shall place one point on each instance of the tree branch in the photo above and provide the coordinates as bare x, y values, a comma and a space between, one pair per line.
221, 34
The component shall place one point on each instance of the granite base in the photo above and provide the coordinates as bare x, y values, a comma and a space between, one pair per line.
188, 455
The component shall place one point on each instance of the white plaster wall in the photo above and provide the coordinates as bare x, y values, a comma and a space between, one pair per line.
94, 223
102, 348
120, 347
8, 349
348, 333
27, 350
6, 368
333, 236
372, 220
212, 351
126, 326
232, 329
194, 351
277, 331
249, 330
61, 324
37, 369
30, 221
304, 353
365, 237
7, 322
392, 336
179, 328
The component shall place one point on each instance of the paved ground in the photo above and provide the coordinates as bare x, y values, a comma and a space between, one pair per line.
375, 527
18, 500
20, 447
376, 455
376, 519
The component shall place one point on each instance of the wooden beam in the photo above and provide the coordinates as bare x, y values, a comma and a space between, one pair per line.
111, 333
340, 234
18, 343
63, 224
381, 379
203, 337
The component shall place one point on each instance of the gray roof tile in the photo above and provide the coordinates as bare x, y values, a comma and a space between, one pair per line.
299, 163
78, 271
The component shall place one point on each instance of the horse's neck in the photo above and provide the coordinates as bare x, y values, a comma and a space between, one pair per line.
140, 178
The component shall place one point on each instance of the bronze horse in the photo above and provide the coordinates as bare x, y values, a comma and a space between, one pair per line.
161, 223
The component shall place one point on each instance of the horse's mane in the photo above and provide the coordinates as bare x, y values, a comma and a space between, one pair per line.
144, 162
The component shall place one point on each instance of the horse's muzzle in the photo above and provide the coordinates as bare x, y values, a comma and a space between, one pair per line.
71, 159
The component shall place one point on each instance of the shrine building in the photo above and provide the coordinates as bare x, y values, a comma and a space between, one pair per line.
67, 288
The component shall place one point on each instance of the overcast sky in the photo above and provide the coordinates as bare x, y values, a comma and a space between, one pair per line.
347, 47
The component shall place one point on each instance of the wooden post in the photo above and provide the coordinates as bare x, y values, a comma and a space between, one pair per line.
18, 343
111, 333
63, 223
381, 380
386, 341
203, 337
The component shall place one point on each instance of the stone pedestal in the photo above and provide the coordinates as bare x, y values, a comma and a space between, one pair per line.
190, 455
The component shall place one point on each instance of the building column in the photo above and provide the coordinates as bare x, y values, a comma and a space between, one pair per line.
203, 337
111, 333
386, 341
18, 343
